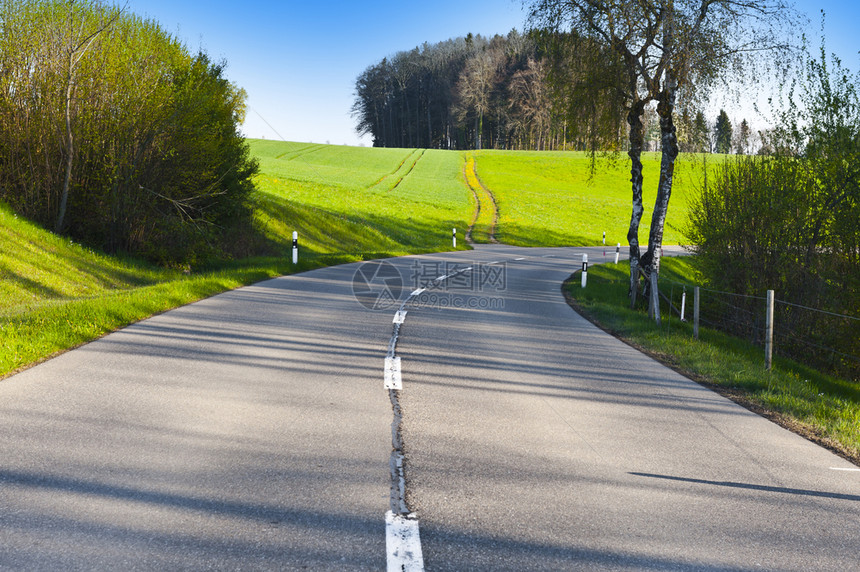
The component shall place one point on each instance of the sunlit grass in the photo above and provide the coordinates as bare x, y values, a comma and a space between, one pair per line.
555, 199
356, 200
486, 216
55, 294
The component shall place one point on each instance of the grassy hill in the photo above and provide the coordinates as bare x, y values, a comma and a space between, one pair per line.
555, 199
358, 200
362, 200
55, 294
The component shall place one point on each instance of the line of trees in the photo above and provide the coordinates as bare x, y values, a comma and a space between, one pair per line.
542, 90
470, 93
113, 133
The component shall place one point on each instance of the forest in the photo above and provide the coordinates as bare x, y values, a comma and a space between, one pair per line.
465, 93
113, 133
518, 91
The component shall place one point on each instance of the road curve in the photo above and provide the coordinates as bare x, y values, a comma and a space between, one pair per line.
252, 431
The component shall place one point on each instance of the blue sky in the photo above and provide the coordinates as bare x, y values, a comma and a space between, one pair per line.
298, 59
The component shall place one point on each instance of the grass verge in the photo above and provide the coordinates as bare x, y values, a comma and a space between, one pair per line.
821, 408
35, 331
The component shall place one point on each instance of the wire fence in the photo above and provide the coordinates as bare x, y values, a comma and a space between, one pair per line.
826, 341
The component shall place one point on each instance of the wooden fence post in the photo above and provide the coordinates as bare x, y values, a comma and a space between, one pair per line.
768, 336
696, 313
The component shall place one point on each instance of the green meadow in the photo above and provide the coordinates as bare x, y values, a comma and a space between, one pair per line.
55, 294
361, 201
561, 198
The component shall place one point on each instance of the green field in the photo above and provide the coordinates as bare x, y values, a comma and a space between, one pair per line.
55, 294
361, 201
396, 201
554, 198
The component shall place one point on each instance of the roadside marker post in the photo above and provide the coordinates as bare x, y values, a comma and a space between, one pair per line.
617, 251
295, 247
683, 303
584, 269
604, 244
454, 237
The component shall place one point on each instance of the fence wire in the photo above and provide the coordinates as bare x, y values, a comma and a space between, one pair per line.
827, 341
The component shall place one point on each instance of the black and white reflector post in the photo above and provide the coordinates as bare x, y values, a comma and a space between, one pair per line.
683, 303
295, 247
617, 251
584, 269
454, 237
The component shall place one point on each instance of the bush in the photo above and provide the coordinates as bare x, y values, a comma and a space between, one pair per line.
791, 222
113, 133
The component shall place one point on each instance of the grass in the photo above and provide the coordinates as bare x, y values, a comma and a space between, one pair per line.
56, 295
820, 407
553, 198
359, 201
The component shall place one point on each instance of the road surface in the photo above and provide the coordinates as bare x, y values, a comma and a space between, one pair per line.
252, 431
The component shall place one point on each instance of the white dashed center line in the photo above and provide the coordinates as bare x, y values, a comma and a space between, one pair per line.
393, 378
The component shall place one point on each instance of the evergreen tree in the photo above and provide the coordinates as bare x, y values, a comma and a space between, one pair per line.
723, 133
742, 144
701, 133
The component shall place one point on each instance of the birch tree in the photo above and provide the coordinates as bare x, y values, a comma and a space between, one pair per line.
667, 49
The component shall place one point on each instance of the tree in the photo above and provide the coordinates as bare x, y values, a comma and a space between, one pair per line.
477, 82
666, 49
723, 133
111, 131
742, 141
530, 100
701, 133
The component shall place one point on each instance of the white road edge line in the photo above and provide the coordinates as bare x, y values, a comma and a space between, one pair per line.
399, 317
403, 544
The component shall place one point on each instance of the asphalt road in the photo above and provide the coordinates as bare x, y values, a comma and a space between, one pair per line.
252, 431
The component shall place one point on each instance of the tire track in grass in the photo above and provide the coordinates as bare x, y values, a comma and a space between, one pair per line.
295, 152
394, 172
409, 171
306, 151
486, 216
